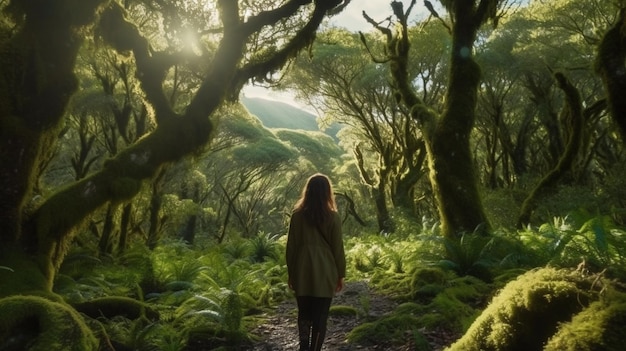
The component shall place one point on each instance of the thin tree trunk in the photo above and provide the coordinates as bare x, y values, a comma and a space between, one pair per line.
124, 227
189, 232
105, 246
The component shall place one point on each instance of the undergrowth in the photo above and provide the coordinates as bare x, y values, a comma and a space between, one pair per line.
211, 297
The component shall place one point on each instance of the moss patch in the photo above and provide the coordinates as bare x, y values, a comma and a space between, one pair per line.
384, 330
527, 312
426, 283
599, 327
343, 311
34, 323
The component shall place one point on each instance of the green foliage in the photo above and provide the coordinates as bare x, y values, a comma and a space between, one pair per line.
469, 255
236, 249
83, 277
276, 114
428, 282
457, 305
373, 254
223, 308
266, 151
136, 334
264, 246
209, 295
580, 238
318, 148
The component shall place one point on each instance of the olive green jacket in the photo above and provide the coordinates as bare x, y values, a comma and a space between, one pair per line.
315, 261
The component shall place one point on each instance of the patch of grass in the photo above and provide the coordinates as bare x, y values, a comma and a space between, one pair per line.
389, 329
343, 311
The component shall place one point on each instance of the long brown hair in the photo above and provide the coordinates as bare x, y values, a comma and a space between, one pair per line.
317, 201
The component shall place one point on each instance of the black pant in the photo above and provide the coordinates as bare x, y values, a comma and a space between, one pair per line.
312, 317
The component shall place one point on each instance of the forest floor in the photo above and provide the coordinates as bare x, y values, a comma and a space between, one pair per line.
279, 331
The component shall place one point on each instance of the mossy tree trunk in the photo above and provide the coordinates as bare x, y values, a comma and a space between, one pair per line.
38, 54
447, 135
611, 65
377, 186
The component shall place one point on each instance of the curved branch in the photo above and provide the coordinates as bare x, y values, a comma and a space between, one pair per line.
151, 66
351, 208
301, 40
266, 18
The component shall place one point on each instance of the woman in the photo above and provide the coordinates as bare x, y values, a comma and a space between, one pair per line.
316, 261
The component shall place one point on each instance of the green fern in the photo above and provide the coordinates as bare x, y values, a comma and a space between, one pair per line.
469, 255
264, 246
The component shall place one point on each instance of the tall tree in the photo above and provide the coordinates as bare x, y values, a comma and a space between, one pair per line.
447, 135
39, 43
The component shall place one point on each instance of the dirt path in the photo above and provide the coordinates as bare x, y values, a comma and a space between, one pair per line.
279, 333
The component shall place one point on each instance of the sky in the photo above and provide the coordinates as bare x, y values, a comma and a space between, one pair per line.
351, 18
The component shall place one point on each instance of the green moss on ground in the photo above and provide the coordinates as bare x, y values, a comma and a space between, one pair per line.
343, 311
38, 324
385, 330
528, 311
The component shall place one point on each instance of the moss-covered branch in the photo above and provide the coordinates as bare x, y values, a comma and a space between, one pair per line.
302, 39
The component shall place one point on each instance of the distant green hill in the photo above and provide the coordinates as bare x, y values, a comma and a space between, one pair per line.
276, 114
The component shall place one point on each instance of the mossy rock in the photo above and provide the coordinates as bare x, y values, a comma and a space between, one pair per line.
528, 311
599, 327
38, 324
